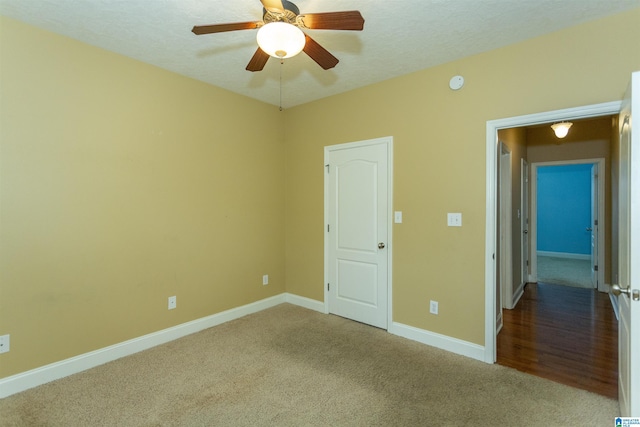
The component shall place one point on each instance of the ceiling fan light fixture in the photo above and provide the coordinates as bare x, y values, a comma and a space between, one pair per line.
561, 129
280, 39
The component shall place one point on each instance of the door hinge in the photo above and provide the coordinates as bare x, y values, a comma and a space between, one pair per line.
328, 286
595, 268
595, 222
328, 228
328, 168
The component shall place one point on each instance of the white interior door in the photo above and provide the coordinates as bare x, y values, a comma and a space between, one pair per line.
629, 256
524, 219
593, 227
357, 198
506, 238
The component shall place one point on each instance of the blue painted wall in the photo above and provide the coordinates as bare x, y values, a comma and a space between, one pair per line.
564, 208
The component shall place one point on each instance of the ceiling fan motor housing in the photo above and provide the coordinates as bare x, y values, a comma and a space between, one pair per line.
291, 11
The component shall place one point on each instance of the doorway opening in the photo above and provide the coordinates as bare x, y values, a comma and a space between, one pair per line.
492, 256
524, 230
568, 223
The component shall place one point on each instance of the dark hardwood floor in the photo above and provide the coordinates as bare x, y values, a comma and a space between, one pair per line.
565, 334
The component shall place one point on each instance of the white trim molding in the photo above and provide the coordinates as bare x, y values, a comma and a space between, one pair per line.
304, 302
57, 370
518, 294
443, 342
582, 257
44, 374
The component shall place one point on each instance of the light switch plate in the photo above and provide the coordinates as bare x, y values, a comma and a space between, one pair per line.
454, 219
4, 343
397, 217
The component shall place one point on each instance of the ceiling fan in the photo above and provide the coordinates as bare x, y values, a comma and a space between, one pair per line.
286, 15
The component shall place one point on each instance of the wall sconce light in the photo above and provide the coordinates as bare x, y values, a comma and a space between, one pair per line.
561, 129
280, 39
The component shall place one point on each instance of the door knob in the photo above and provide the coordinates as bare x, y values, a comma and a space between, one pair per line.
589, 229
617, 290
380, 245
633, 294
526, 231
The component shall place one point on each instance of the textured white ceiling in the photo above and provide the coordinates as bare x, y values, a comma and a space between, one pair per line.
399, 37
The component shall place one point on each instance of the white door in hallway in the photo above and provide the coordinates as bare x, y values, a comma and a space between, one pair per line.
594, 225
628, 287
357, 206
524, 219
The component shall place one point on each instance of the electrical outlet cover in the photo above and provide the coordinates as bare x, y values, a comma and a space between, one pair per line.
433, 307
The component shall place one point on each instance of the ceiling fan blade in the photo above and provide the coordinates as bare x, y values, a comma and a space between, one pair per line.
319, 54
273, 6
221, 28
258, 61
348, 20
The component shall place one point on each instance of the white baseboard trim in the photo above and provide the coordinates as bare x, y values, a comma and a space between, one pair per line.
605, 288
309, 303
44, 374
454, 345
564, 255
614, 304
518, 294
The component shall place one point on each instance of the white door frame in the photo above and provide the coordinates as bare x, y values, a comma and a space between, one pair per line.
597, 110
533, 226
388, 141
506, 228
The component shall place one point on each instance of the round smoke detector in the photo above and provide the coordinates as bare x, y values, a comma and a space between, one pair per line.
456, 82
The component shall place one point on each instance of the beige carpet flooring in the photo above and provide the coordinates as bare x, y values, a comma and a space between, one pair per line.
564, 271
288, 366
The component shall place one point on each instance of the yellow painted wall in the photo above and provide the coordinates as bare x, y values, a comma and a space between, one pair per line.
122, 184
439, 159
